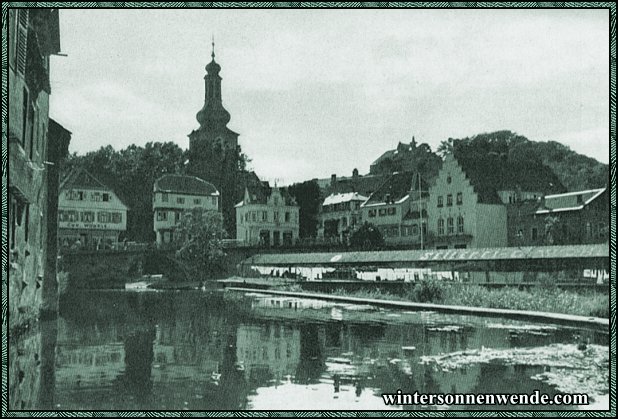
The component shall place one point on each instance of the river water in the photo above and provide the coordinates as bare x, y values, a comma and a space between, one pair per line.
215, 350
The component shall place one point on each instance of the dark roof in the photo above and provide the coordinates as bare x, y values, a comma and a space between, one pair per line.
81, 178
364, 185
394, 256
395, 187
492, 173
259, 191
184, 184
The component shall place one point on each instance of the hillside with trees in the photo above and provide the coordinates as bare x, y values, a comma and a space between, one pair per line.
574, 171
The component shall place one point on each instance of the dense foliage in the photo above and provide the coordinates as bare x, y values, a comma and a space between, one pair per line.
307, 195
367, 237
574, 171
201, 250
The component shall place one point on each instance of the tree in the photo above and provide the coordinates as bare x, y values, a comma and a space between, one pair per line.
200, 233
308, 198
367, 237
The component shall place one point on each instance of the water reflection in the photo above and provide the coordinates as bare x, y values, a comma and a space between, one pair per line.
215, 351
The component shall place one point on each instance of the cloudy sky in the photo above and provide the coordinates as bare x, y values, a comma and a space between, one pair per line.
315, 92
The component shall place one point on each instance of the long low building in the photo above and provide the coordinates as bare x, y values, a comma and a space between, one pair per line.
542, 253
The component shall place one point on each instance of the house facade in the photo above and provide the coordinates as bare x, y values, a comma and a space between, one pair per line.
33, 36
580, 217
173, 195
459, 216
398, 208
339, 214
90, 214
267, 217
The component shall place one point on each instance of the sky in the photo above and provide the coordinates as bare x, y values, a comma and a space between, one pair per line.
317, 92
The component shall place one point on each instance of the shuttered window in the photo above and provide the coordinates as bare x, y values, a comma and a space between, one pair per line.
21, 40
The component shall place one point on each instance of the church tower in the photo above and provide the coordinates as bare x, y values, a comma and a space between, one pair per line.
213, 147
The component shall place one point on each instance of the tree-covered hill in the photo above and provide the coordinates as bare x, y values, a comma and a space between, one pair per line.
575, 171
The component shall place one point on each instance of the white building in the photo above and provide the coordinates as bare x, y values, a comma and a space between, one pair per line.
90, 215
175, 194
267, 217
339, 214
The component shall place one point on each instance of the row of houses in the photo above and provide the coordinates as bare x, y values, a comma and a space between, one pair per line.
91, 215
466, 207
462, 207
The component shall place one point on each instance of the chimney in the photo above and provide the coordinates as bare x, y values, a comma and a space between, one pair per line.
355, 173
333, 179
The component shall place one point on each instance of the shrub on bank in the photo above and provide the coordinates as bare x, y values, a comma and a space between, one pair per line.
539, 298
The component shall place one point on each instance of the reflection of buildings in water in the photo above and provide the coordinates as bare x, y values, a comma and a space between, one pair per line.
160, 360
272, 348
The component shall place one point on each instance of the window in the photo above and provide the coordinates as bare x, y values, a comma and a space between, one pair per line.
246, 217
165, 197
460, 225
449, 225
449, 179
214, 201
382, 212
440, 202
177, 215
72, 216
372, 213
27, 225
104, 217
18, 38
87, 216
106, 197
459, 198
180, 200
588, 230
116, 217
392, 211
440, 227
253, 216
449, 200
161, 215
276, 216
534, 233
287, 217
264, 215
415, 230
197, 201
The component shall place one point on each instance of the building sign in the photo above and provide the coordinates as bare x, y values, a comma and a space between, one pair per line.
89, 226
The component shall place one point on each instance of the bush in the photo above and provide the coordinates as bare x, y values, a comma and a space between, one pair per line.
428, 291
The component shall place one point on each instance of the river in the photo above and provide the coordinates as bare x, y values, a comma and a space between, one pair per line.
215, 350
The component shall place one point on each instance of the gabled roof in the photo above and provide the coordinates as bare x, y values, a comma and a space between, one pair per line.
343, 197
396, 188
260, 191
491, 173
184, 184
570, 201
81, 178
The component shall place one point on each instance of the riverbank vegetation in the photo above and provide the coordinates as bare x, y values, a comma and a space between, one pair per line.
540, 298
